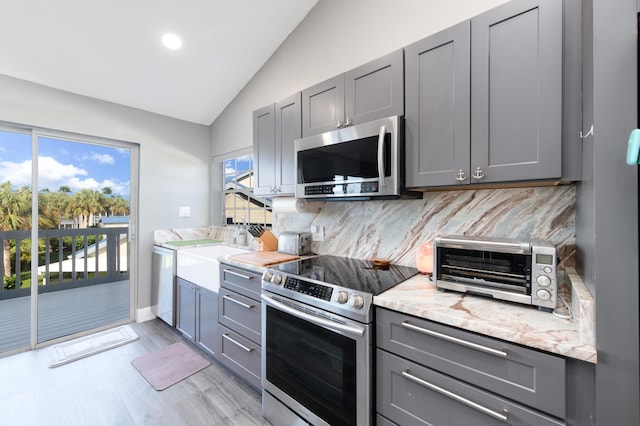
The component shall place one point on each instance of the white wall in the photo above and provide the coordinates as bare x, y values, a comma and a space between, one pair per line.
336, 36
174, 155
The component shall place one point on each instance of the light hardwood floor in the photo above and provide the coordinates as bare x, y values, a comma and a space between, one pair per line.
105, 389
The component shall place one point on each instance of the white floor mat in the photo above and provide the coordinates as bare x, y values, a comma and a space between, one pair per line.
82, 347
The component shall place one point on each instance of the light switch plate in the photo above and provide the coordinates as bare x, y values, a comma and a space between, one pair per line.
317, 233
184, 211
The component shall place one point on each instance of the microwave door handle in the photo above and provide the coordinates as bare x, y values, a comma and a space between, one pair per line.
383, 130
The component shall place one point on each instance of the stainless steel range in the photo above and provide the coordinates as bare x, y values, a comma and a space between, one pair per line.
317, 339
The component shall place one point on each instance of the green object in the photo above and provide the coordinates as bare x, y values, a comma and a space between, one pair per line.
181, 243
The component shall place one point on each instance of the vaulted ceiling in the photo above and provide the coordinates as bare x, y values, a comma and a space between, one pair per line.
112, 50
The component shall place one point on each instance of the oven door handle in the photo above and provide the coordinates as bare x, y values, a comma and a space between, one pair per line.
351, 329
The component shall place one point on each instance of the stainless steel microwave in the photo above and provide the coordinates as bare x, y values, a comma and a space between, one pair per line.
360, 162
516, 271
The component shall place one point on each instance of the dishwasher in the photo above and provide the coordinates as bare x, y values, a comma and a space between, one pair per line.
163, 283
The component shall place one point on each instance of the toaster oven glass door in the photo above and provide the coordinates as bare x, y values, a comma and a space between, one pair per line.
506, 271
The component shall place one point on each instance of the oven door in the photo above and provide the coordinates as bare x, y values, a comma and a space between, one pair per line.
316, 363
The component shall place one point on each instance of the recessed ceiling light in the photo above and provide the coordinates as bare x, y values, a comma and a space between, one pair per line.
171, 41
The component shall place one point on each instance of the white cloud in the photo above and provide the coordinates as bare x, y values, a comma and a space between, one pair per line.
53, 174
102, 158
19, 174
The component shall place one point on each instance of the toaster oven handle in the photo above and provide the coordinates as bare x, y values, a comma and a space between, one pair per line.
485, 349
383, 131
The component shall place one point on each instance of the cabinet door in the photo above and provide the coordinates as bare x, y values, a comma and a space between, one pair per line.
207, 320
437, 119
375, 90
516, 92
411, 394
241, 314
241, 355
264, 150
288, 129
323, 106
186, 304
531, 377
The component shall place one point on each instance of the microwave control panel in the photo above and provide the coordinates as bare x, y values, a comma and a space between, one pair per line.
343, 189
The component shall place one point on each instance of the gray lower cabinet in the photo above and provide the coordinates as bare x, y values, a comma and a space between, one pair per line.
239, 318
275, 128
369, 92
430, 373
197, 316
485, 99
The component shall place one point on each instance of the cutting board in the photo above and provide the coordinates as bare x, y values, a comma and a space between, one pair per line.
263, 258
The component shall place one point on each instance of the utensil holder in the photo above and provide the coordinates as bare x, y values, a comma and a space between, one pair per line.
267, 242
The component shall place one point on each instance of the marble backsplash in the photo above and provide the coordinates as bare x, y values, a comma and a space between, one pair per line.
395, 229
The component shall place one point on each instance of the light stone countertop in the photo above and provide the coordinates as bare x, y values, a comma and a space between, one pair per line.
523, 325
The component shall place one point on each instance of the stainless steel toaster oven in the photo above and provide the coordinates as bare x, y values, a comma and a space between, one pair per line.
511, 270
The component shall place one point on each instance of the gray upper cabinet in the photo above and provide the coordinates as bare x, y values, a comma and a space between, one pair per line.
371, 91
275, 128
516, 92
438, 119
485, 99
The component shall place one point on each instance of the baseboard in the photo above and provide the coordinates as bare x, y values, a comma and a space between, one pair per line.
144, 314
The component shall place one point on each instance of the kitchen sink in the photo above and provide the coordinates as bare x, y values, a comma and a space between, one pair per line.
200, 265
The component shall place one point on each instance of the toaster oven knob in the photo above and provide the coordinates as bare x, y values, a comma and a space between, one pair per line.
543, 294
343, 296
543, 280
357, 301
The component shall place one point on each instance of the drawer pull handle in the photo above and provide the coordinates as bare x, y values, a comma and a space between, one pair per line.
235, 342
489, 412
246, 277
491, 351
237, 302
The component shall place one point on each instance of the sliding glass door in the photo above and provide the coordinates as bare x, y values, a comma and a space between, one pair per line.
15, 238
72, 259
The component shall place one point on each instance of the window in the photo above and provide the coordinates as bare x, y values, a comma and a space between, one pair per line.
239, 204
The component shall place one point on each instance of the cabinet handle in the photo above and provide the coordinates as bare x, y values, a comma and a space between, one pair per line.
340, 124
461, 177
348, 122
235, 342
489, 412
193, 287
477, 175
451, 339
237, 302
246, 277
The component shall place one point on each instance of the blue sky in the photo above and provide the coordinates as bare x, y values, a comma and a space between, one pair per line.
64, 163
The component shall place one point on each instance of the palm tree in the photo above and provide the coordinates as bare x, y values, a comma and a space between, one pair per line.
85, 204
118, 206
15, 214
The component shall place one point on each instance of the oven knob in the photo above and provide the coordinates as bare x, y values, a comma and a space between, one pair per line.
267, 276
357, 301
276, 279
543, 294
343, 296
543, 280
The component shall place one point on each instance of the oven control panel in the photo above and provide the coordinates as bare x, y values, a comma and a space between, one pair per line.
333, 295
310, 289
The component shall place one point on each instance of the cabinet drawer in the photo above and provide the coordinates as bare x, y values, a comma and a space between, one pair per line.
241, 281
240, 313
533, 378
241, 355
410, 394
